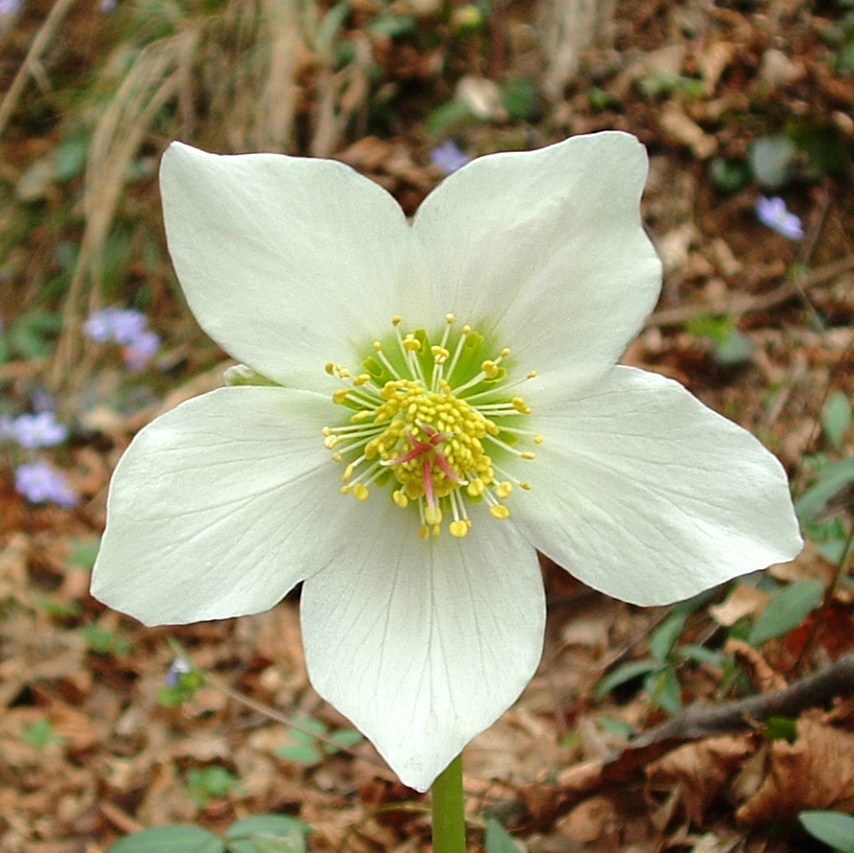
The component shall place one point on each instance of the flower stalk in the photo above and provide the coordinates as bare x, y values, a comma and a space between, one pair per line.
449, 822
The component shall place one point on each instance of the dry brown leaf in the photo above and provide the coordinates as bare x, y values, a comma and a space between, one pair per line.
744, 600
814, 772
762, 676
683, 129
702, 769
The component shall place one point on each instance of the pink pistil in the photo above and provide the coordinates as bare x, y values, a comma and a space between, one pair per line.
447, 470
427, 476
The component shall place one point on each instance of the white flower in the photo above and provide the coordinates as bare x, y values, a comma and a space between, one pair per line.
459, 373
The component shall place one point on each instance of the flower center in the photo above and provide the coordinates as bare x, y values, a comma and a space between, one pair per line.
436, 422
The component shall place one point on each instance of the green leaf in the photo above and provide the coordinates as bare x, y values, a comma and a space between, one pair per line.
831, 480
346, 737
664, 637
267, 833
300, 753
729, 176
207, 783
266, 824
623, 673
781, 728
392, 25
83, 552
105, 642
698, 654
786, 610
41, 734
663, 688
521, 98
179, 838
498, 839
617, 727
836, 418
833, 828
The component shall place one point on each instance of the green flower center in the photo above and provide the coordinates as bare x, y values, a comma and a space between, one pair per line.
435, 422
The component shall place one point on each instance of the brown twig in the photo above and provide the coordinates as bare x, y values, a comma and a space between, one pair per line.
698, 721
736, 307
546, 802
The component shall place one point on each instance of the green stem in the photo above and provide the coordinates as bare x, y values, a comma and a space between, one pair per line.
449, 820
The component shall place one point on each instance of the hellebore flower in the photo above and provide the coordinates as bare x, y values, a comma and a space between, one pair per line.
455, 378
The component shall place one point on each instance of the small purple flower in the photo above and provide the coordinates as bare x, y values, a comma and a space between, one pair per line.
39, 482
108, 6
9, 7
773, 213
32, 431
180, 666
139, 351
122, 325
448, 157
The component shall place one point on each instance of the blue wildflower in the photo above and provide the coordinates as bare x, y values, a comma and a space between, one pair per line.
139, 351
448, 157
38, 482
33, 431
128, 328
773, 213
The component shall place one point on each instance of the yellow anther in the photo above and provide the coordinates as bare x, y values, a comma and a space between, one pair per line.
458, 528
532, 375
431, 439
475, 488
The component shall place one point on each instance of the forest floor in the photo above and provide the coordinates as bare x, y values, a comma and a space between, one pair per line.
734, 100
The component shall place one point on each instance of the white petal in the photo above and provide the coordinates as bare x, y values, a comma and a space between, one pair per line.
286, 262
423, 644
220, 506
647, 495
545, 249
